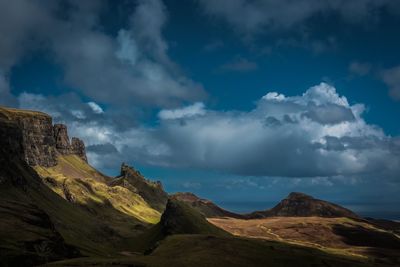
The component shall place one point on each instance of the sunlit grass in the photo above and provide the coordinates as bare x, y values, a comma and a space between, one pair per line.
85, 185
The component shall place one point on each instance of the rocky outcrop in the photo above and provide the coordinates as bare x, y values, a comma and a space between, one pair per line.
204, 206
65, 146
302, 205
152, 192
78, 148
33, 137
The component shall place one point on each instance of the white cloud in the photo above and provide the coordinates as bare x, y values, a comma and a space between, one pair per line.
95, 107
317, 134
274, 96
193, 110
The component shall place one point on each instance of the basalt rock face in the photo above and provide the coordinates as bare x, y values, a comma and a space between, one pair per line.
32, 136
65, 146
302, 205
35, 142
78, 148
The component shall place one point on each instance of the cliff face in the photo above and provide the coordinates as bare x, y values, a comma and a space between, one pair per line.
63, 144
32, 136
152, 192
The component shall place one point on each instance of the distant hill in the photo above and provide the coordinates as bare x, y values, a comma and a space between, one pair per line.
206, 207
302, 205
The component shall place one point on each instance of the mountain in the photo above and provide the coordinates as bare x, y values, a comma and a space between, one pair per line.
53, 204
204, 206
302, 205
56, 209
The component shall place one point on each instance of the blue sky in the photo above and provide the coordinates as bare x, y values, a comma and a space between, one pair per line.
238, 101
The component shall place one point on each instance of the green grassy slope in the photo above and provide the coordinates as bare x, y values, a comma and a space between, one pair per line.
79, 183
25, 200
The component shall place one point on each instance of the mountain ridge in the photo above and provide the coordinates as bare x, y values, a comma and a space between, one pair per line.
55, 206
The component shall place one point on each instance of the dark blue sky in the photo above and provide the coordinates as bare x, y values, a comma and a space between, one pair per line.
180, 90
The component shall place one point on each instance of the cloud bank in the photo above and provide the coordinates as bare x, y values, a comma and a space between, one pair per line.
316, 134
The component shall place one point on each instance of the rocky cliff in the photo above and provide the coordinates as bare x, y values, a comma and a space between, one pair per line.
152, 192
66, 147
32, 136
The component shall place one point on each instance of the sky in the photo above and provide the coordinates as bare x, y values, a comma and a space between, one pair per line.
238, 101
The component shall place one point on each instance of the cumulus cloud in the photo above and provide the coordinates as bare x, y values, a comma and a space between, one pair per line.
131, 67
391, 77
316, 134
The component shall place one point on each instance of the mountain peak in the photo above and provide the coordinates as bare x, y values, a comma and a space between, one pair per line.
298, 195
298, 204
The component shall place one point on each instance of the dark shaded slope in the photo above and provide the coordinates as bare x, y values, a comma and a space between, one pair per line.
27, 234
206, 207
178, 218
302, 205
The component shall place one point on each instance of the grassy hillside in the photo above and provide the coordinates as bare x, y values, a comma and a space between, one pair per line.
185, 238
79, 183
341, 236
35, 218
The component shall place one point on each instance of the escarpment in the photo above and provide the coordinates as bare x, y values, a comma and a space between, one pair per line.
32, 136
